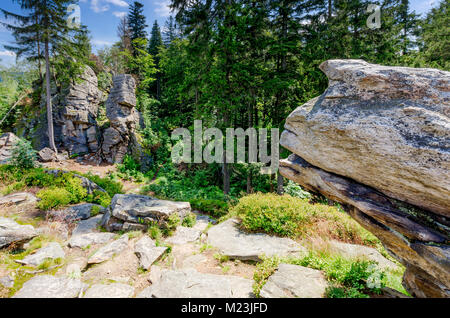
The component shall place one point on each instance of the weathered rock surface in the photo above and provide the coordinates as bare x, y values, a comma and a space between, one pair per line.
109, 250
377, 121
18, 198
80, 109
114, 290
377, 142
87, 226
12, 232
77, 212
355, 251
189, 283
46, 286
147, 252
140, 210
47, 155
50, 252
84, 240
7, 142
295, 281
239, 245
184, 235
7, 281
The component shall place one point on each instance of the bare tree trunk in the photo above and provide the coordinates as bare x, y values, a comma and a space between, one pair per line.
51, 137
280, 180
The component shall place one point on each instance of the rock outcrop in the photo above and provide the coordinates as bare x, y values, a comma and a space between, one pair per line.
7, 142
123, 117
12, 232
378, 141
79, 126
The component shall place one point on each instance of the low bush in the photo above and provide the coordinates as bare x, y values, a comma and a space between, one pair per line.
23, 155
110, 186
216, 208
189, 220
294, 217
53, 197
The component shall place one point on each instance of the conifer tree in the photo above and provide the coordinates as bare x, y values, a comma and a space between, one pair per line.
137, 24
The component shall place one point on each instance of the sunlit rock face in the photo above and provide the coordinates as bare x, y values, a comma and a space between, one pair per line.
378, 141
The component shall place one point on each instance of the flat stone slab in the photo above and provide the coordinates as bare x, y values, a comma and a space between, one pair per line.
7, 281
84, 240
356, 251
77, 212
13, 232
46, 286
87, 226
147, 252
188, 283
239, 245
17, 198
52, 251
114, 290
184, 235
108, 251
140, 208
291, 281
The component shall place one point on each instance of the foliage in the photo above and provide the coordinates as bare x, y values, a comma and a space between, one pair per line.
262, 273
23, 155
171, 224
189, 220
110, 186
53, 197
288, 216
216, 208
294, 190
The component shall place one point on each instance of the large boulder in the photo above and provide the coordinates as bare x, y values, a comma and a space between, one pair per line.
12, 232
377, 141
7, 143
46, 286
52, 251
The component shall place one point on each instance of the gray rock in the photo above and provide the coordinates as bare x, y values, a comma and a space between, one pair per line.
75, 267
355, 251
184, 235
189, 283
7, 281
46, 286
84, 240
7, 143
114, 290
47, 155
18, 198
87, 226
295, 281
12, 232
147, 252
77, 212
239, 245
50, 252
405, 108
109, 251
143, 209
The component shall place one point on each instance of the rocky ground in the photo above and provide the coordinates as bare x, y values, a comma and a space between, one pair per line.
67, 254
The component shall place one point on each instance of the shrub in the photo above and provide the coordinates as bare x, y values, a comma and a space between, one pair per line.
288, 216
99, 197
53, 197
262, 273
216, 208
23, 155
110, 186
189, 220
171, 224
294, 190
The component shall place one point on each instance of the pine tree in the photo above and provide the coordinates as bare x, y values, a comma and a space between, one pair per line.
154, 46
170, 31
137, 24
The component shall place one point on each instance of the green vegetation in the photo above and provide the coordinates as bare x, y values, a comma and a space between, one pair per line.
189, 220
288, 216
23, 155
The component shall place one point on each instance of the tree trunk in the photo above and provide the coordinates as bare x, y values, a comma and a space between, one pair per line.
280, 180
51, 138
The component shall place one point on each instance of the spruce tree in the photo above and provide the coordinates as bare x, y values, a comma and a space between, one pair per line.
137, 24
154, 46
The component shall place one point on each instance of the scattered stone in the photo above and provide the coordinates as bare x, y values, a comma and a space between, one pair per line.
361, 252
295, 281
7, 281
147, 252
46, 286
76, 266
243, 246
194, 260
51, 252
87, 226
13, 232
188, 283
77, 212
7, 143
18, 198
84, 240
108, 251
155, 274
47, 155
114, 290
184, 235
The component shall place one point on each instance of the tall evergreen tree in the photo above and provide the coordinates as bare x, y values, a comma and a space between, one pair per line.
154, 46
170, 32
137, 23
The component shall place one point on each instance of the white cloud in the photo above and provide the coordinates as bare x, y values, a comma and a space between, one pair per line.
101, 42
7, 53
119, 3
104, 5
119, 14
162, 8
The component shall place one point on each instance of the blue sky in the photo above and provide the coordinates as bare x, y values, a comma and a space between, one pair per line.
102, 18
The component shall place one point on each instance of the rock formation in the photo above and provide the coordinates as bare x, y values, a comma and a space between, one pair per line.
378, 141
123, 117
7, 142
